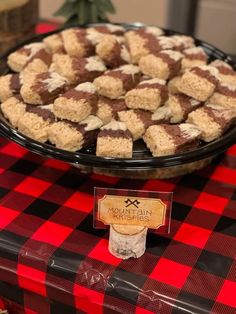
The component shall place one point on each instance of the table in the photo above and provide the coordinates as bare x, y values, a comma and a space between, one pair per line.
51, 258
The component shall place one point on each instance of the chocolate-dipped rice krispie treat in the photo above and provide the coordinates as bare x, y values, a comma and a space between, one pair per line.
180, 106
10, 84
43, 88
193, 57
35, 122
147, 95
77, 104
114, 140
137, 120
38, 63
112, 52
107, 28
117, 82
181, 42
212, 120
199, 82
226, 72
73, 136
13, 108
76, 69
167, 139
224, 95
144, 41
76, 42
163, 65
54, 43
173, 85
18, 59
108, 108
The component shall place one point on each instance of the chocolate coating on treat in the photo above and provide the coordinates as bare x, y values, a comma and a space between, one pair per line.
15, 83
129, 80
173, 65
114, 59
40, 87
186, 105
205, 74
226, 71
106, 30
45, 114
82, 74
226, 90
162, 89
179, 139
91, 98
195, 56
145, 116
88, 46
89, 137
115, 133
151, 41
217, 118
43, 55
115, 105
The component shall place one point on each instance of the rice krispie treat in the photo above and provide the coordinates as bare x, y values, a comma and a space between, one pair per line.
10, 85
173, 85
112, 52
76, 43
54, 43
76, 69
73, 136
117, 82
224, 95
147, 95
144, 41
181, 42
199, 82
77, 104
137, 120
43, 88
163, 65
212, 120
226, 72
108, 108
111, 29
167, 139
19, 58
13, 108
35, 122
193, 57
38, 63
114, 140
180, 106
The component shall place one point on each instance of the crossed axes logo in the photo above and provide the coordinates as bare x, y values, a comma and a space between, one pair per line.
130, 202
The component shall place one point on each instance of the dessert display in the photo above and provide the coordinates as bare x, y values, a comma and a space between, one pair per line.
111, 87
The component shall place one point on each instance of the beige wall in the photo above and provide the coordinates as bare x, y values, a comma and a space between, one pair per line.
150, 11
217, 23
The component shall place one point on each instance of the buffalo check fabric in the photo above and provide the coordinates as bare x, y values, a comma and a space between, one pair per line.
52, 260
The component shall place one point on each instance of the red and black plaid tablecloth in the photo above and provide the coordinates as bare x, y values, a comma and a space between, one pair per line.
53, 261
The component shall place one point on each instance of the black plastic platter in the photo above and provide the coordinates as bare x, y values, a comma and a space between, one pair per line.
142, 164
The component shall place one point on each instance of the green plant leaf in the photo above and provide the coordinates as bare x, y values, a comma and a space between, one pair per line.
72, 21
108, 6
93, 17
68, 9
82, 12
